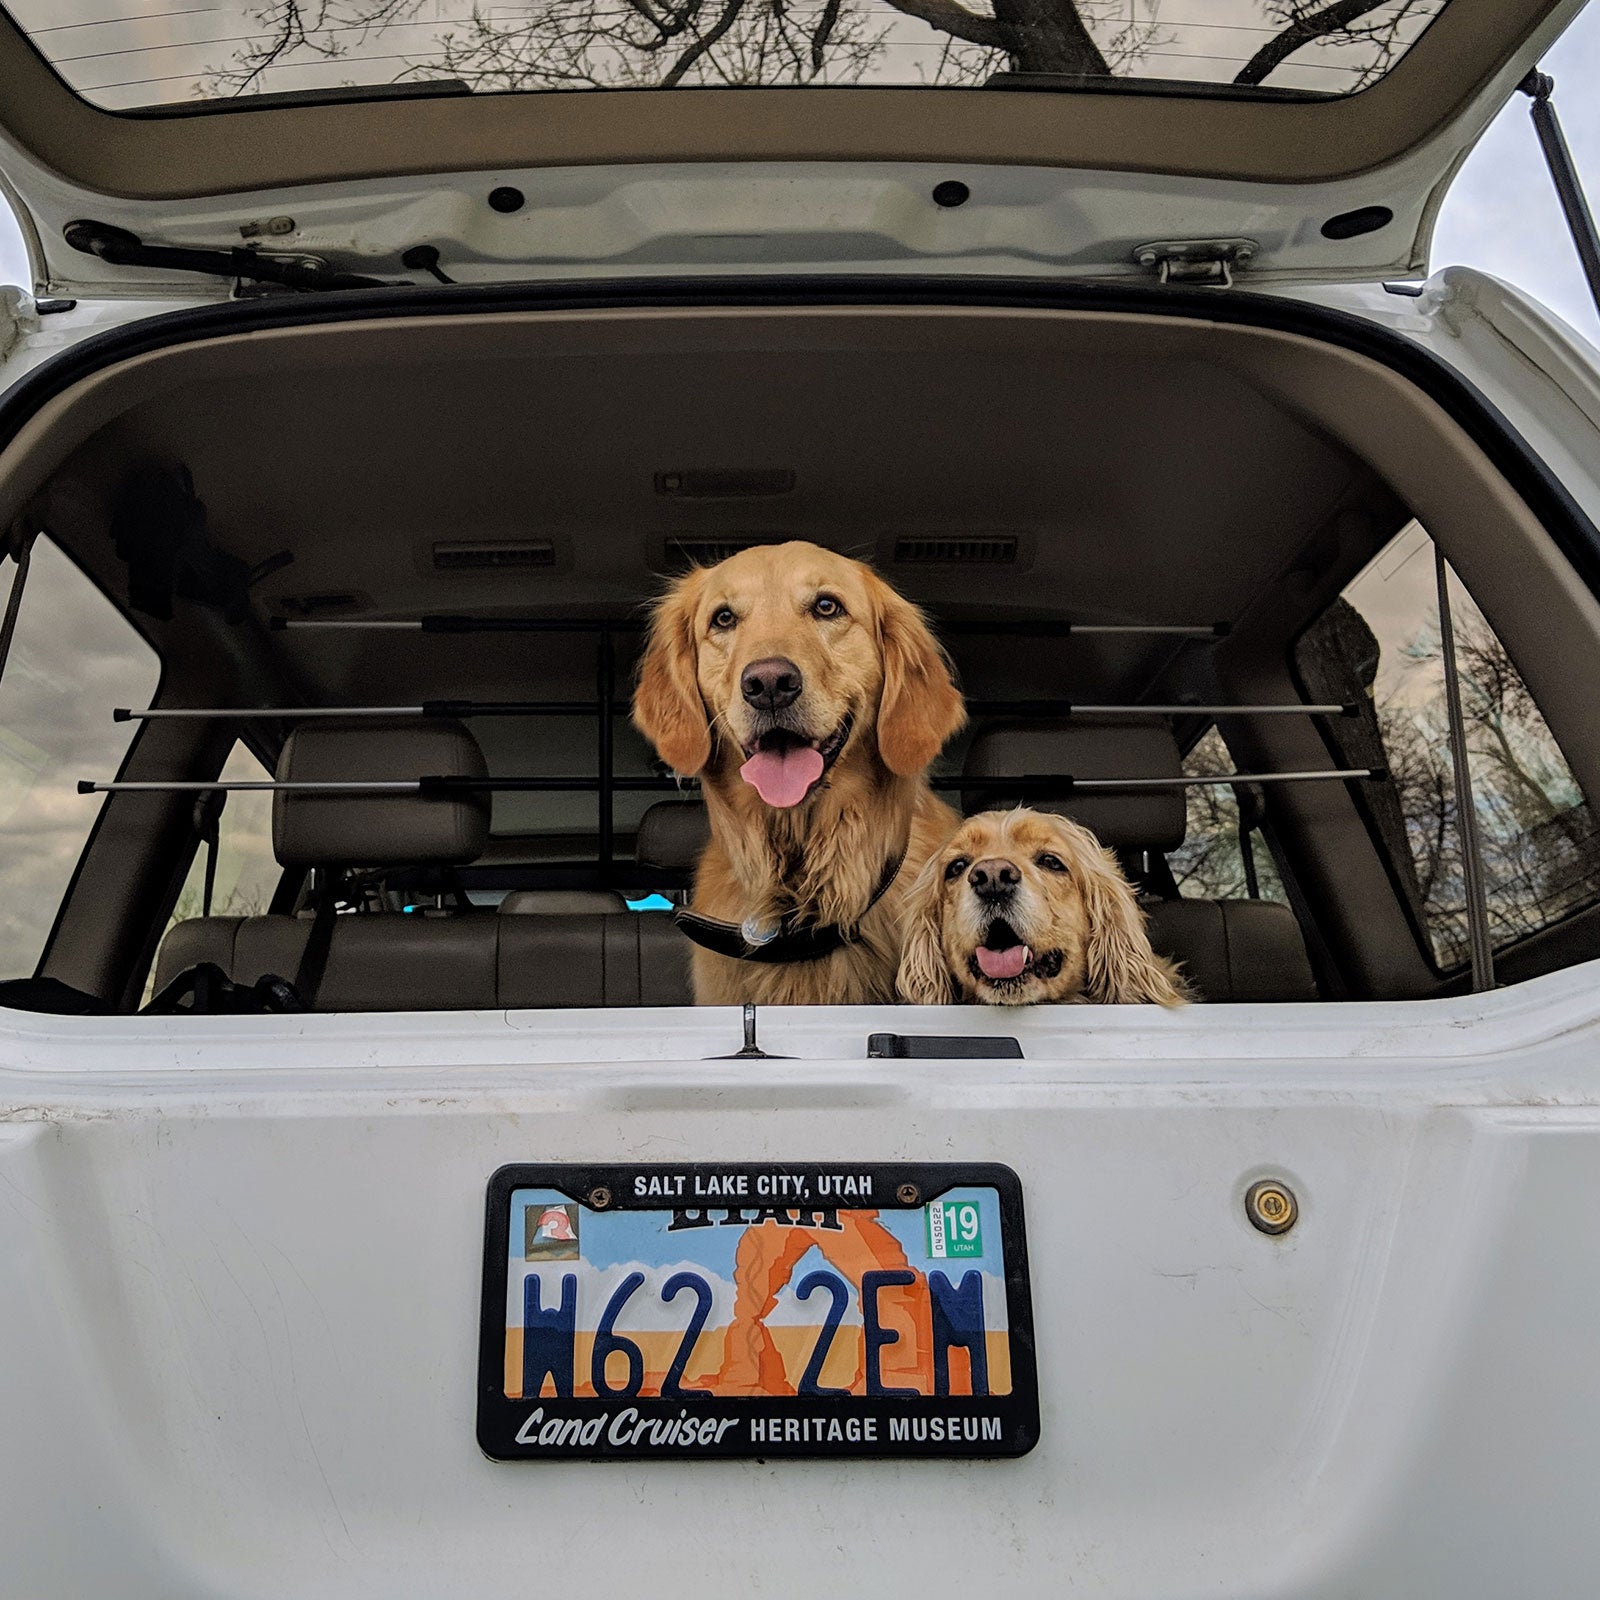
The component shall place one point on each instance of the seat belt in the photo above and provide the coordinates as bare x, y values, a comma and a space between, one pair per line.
314, 958
207, 827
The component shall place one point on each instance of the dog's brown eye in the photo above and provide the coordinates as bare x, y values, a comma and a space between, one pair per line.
723, 619
1051, 863
956, 868
826, 607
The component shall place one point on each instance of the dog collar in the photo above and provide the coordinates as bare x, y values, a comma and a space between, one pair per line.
793, 942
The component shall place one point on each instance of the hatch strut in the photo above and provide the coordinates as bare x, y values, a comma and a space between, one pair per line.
1540, 87
124, 249
1479, 945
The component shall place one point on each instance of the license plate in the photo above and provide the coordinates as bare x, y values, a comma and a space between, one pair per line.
753, 1310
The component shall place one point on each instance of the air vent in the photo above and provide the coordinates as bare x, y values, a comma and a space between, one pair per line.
726, 483
330, 604
681, 554
480, 554
982, 550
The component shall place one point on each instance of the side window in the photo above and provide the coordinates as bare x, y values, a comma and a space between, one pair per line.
1216, 861
1378, 646
73, 659
247, 872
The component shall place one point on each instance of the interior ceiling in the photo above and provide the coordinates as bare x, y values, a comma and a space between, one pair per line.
1140, 487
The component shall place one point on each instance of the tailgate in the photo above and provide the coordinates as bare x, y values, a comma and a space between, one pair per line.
244, 1259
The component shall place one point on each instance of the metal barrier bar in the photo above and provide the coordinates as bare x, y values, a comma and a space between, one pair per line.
425, 708
1480, 946
1066, 708
619, 708
1049, 628
447, 785
1022, 627
1058, 788
446, 624
606, 781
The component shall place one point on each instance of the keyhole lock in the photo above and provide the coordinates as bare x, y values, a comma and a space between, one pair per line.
1271, 1206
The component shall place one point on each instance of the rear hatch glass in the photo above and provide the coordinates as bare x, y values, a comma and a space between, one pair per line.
125, 59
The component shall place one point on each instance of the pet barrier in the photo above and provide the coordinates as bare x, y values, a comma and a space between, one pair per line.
604, 708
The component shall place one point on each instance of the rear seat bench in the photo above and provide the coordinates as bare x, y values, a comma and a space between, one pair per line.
577, 949
422, 960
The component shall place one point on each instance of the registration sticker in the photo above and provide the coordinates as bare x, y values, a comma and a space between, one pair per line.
798, 1310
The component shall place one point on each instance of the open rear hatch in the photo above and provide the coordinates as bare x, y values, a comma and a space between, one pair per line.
1282, 1300
401, 142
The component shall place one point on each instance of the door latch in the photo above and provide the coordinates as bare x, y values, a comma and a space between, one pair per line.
1201, 261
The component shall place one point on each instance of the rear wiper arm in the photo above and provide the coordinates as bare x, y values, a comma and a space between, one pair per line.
124, 249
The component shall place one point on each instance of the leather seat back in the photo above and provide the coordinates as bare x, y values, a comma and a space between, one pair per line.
1234, 950
587, 950
1230, 950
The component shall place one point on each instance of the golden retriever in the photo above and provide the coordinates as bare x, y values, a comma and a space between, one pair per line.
1023, 907
809, 698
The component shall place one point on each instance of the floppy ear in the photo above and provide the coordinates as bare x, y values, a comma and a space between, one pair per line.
667, 708
1123, 969
924, 978
921, 706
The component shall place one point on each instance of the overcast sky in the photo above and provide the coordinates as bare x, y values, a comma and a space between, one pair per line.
1502, 215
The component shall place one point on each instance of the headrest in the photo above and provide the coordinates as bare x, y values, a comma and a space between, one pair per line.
562, 903
1143, 819
374, 830
673, 835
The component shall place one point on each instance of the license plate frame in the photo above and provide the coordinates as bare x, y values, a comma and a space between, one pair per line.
832, 1424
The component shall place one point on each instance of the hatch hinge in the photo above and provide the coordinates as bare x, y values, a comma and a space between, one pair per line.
1197, 261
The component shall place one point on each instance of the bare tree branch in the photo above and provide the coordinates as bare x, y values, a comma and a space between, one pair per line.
948, 16
1046, 36
730, 15
554, 44
819, 40
1320, 24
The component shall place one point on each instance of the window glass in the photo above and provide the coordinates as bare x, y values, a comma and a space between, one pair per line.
1213, 862
1378, 646
73, 659
247, 870
123, 54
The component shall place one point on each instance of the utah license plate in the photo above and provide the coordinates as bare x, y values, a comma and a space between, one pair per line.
755, 1310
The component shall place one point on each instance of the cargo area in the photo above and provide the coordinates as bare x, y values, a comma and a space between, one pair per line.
1156, 547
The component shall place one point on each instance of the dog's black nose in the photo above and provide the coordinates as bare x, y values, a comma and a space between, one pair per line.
993, 878
772, 684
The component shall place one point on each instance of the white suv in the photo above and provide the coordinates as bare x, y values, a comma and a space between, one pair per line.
366, 1172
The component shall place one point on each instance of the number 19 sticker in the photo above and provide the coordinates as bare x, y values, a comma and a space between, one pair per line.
954, 1230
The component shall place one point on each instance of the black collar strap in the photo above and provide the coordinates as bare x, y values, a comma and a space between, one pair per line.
792, 943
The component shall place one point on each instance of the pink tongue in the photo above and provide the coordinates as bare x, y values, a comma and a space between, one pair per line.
783, 777
1003, 963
